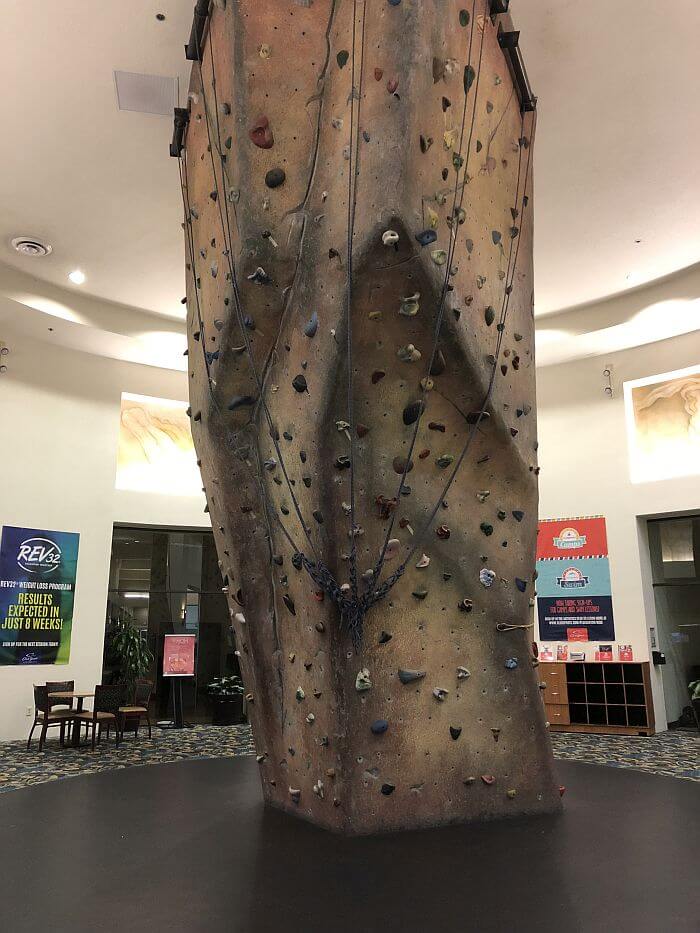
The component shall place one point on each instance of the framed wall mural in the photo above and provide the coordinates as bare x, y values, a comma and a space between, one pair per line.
663, 425
155, 452
37, 590
574, 597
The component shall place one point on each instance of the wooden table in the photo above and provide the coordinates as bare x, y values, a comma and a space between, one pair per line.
73, 695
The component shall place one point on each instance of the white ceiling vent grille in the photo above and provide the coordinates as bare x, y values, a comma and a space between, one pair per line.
145, 93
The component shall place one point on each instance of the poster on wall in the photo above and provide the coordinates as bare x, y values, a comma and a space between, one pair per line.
156, 451
574, 596
37, 590
178, 655
663, 425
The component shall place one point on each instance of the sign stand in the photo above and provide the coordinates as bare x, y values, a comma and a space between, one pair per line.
178, 662
178, 721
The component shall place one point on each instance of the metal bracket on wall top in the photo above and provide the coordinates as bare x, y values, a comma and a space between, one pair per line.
180, 120
509, 42
193, 49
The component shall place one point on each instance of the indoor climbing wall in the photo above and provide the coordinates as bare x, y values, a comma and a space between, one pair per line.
358, 221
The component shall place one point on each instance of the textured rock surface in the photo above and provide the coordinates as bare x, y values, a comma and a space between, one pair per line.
343, 739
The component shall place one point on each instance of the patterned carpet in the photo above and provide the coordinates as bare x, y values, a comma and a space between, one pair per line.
676, 754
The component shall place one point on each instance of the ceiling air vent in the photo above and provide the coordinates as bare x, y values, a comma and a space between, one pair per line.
30, 246
145, 93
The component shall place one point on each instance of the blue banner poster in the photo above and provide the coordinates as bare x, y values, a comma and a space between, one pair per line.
574, 601
37, 589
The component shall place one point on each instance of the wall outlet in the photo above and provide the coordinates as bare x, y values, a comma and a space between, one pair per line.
29, 711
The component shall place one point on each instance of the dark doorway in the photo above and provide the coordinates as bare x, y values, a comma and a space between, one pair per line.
167, 580
674, 545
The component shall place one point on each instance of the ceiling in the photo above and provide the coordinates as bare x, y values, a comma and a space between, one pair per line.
617, 186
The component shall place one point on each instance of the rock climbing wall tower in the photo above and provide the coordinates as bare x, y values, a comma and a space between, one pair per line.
356, 179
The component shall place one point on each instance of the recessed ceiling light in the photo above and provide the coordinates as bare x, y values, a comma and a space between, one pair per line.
30, 246
77, 276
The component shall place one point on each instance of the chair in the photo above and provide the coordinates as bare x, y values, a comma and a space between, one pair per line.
104, 712
45, 716
60, 686
142, 697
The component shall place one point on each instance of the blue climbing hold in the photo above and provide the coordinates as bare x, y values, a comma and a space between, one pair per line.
426, 237
521, 584
311, 326
379, 726
511, 663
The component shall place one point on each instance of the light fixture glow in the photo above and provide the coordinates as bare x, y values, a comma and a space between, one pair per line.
135, 595
77, 276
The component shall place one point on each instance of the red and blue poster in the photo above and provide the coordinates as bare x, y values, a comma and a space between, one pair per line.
37, 590
574, 596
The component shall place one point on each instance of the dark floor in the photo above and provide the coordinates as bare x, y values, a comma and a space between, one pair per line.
189, 847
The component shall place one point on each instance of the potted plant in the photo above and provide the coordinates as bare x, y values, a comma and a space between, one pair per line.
132, 659
226, 694
694, 691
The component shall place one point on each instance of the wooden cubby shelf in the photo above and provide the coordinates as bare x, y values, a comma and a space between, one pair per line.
604, 696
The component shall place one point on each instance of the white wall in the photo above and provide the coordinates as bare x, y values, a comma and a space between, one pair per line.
584, 471
59, 420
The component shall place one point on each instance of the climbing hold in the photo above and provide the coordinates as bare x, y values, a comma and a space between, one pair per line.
420, 593
300, 695
390, 238
384, 637
392, 548
438, 366
466, 605
486, 577
311, 326
455, 732
264, 50
261, 134
483, 495
440, 693
410, 305
425, 143
378, 74
388, 789
521, 584
443, 532
486, 528
423, 562
463, 18
511, 663
408, 353
342, 463
496, 237
463, 673
394, 2
275, 177
392, 84
379, 726
400, 466
241, 401
510, 794
260, 277
318, 788
444, 461
518, 515
489, 316
289, 603
310, 717
495, 733
299, 383
342, 58
363, 681
562, 790
436, 426
295, 794
377, 375
408, 676
412, 412
439, 256
426, 237
469, 781
488, 779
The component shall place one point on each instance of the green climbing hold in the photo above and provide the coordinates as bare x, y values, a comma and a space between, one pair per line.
463, 17
486, 528
342, 58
